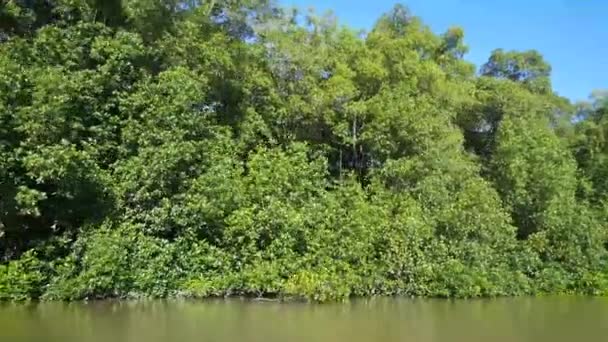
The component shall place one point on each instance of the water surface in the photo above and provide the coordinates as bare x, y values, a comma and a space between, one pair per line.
388, 319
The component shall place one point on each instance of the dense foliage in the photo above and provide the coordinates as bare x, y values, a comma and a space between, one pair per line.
232, 147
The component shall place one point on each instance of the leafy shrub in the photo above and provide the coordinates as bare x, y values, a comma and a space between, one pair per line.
23, 279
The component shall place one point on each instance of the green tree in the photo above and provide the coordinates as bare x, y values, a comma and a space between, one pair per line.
233, 147
528, 68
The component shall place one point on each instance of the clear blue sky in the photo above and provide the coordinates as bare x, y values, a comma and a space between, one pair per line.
572, 35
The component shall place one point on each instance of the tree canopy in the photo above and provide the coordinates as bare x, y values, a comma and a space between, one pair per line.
235, 147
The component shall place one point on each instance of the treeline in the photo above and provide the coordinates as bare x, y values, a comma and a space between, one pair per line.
233, 147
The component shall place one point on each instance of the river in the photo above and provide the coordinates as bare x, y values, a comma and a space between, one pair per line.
548, 319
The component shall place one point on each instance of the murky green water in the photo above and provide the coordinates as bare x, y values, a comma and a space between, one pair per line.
521, 319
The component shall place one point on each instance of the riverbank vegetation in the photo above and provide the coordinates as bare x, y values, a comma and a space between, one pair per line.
233, 147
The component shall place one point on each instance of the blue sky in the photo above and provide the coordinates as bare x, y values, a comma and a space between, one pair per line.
572, 35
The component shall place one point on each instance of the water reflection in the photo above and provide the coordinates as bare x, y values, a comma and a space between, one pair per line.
386, 319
